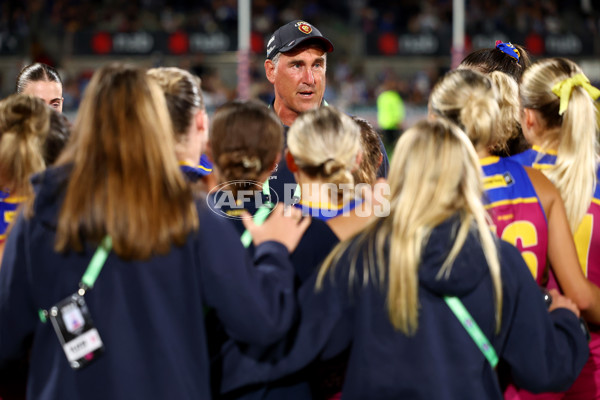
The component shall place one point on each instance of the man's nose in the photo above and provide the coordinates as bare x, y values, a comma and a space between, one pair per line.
309, 76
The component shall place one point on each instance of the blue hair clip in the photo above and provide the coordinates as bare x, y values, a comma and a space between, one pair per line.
508, 49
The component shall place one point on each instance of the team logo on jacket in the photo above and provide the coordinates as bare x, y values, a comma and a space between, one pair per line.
304, 27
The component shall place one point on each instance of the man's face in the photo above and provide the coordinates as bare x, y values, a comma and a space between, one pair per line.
50, 92
298, 78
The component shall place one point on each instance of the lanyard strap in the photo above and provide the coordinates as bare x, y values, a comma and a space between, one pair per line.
92, 271
259, 217
97, 262
458, 308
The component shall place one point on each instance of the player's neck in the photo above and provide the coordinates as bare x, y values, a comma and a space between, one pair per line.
313, 191
483, 153
187, 153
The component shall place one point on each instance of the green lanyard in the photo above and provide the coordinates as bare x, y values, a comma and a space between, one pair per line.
263, 212
97, 262
467, 321
91, 273
259, 216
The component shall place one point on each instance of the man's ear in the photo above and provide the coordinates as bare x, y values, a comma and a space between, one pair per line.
270, 71
289, 159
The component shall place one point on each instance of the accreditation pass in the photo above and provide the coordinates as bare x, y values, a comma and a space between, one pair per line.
76, 332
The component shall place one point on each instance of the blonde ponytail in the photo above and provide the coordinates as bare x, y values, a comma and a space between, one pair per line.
508, 126
325, 144
574, 172
468, 99
424, 194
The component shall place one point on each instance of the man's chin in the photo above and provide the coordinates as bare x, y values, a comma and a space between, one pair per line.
307, 106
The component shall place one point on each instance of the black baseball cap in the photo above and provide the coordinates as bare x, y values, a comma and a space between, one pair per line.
292, 34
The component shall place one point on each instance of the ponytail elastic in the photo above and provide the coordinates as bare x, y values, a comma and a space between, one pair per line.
564, 88
331, 166
508, 49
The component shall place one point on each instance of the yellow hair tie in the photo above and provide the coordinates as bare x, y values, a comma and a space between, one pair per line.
564, 88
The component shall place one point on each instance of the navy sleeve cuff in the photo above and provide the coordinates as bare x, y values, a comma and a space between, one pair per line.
270, 248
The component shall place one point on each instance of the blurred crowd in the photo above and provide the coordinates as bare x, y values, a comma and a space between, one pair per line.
484, 16
547, 16
350, 87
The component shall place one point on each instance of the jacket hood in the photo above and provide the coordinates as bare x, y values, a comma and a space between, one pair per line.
469, 268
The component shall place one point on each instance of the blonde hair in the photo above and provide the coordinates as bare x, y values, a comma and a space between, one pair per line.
183, 94
325, 143
24, 124
574, 173
508, 125
468, 98
125, 180
434, 174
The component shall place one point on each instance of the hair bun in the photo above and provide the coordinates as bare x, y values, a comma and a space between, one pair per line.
21, 111
24, 116
252, 163
331, 166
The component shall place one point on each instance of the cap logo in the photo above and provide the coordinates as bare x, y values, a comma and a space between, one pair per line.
304, 27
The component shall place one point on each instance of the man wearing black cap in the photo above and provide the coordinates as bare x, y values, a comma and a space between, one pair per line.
295, 65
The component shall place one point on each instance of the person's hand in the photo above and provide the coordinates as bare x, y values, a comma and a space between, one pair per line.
560, 301
284, 226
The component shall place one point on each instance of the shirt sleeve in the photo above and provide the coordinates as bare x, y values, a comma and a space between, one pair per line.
326, 320
255, 301
18, 314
